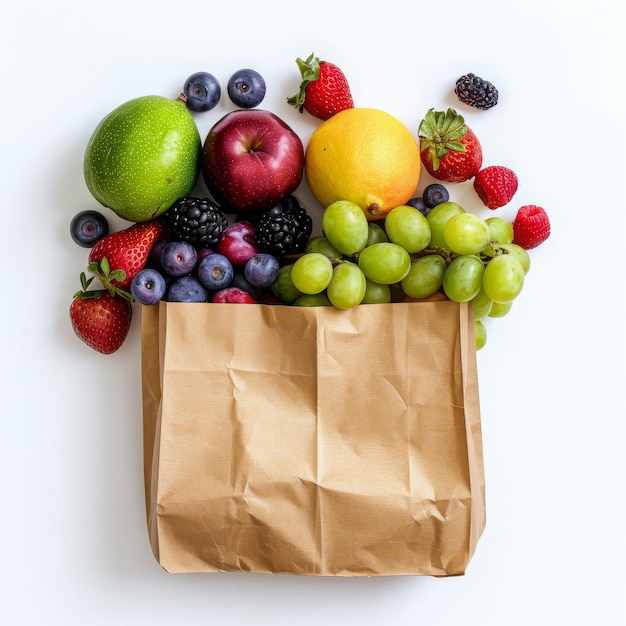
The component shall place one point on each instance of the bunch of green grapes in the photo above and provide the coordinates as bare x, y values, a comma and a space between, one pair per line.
449, 250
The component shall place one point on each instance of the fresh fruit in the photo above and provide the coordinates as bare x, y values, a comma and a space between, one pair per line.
449, 149
482, 304
142, 157
344, 224
315, 299
375, 233
311, 273
408, 228
202, 92
215, 272
480, 334
283, 287
495, 185
347, 286
178, 258
251, 159
323, 246
187, 289
531, 226
503, 279
438, 218
128, 250
500, 230
261, 270
233, 295
463, 278
99, 318
88, 227
519, 253
385, 263
376, 293
200, 221
238, 243
425, 276
246, 88
284, 229
435, 194
324, 90
365, 156
419, 204
476, 92
466, 233
500, 310
148, 286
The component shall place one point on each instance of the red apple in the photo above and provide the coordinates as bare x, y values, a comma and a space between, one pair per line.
233, 295
238, 242
251, 160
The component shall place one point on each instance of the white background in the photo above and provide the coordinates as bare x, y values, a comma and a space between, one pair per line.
73, 541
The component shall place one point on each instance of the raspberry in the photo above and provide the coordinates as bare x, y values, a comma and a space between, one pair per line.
531, 227
476, 92
495, 185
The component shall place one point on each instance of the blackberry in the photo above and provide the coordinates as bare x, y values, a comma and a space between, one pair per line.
284, 230
476, 92
199, 221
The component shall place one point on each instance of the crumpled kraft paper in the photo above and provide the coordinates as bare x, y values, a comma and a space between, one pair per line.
312, 441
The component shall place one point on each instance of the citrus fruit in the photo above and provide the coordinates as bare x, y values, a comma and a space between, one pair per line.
142, 157
366, 156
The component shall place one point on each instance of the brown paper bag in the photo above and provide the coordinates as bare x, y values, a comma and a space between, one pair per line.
312, 441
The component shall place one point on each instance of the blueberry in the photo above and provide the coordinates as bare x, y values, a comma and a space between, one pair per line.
202, 91
246, 88
215, 272
148, 286
187, 289
88, 227
178, 258
435, 194
418, 203
261, 270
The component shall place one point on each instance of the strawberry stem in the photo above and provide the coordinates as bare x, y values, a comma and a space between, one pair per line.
310, 72
102, 271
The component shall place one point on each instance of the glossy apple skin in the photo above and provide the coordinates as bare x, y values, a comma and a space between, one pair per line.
251, 159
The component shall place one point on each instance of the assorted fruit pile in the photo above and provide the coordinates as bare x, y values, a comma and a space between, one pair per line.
249, 240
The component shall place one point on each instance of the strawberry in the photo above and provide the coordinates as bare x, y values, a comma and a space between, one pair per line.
495, 185
449, 149
324, 89
531, 226
128, 250
101, 318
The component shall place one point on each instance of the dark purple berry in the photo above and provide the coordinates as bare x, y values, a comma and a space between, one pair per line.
419, 204
202, 92
239, 281
178, 258
261, 270
88, 227
215, 272
246, 88
148, 286
435, 194
187, 289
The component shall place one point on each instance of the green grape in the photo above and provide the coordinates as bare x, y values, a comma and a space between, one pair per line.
385, 263
347, 286
500, 230
519, 253
407, 227
463, 278
375, 293
312, 272
500, 310
344, 224
375, 234
283, 287
425, 276
466, 233
313, 299
503, 278
322, 245
482, 305
480, 334
437, 219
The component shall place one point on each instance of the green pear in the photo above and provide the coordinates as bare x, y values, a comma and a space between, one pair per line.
142, 157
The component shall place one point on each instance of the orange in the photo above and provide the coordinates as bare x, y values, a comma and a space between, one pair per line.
366, 156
